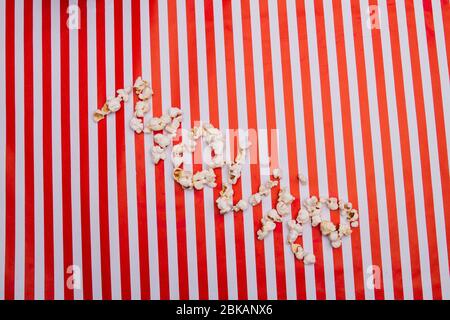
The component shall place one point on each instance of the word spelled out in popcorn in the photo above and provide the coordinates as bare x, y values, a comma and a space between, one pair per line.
164, 130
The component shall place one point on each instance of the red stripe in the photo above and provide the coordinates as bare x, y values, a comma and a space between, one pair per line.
10, 161
387, 161
329, 138
29, 151
139, 147
241, 267
310, 139
65, 148
183, 280
221, 262
103, 154
406, 152
254, 156
48, 150
290, 129
424, 148
202, 263
84, 117
439, 117
159, 169
358, 273
122, 194
279, 240
367, 144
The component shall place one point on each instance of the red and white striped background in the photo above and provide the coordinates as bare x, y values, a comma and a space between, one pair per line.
363, 112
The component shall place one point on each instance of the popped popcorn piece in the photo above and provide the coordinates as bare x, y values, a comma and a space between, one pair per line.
277, 173
175, 112
282, 208
298, 251
242, 205
309, 258
295, 230
140, 84
336, 244
155, 124
162, 140
146, 93
332, 204
100, 114
274, 216
333, 236
137, 125
234, 172
255, 199
303, 216
173, 126
303, 180
184, 178
285, 197
113, 104
124, 93
225, 200
354, 224
204, 178
141, 108
158, 154
268, 225
326, 227
316, 220
344, 230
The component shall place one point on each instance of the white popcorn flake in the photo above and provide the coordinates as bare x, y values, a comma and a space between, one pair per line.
309, 258
344, 230
277, 173
283, 209
158, 154
303, 180
354, 224
175, 112
274, 216
295, 230
124, 93
336, 244
255, 199
141, 108
113, 104
162, 140
303, 216
137, 125
316, 220
268, 225
326, 227
285, 197
242, 205
146, 93
332, 204
333, 236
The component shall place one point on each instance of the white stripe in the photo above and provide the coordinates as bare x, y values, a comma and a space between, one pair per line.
39, 273
56, 152
93, 150
224, 125
20, 153
282, 141
377, 156
328, 262
185, 106
150, 169
341, 173
269, 250
397, 161
75, 157
2, 146
300, 132
169, 183
415, 154
358, 147
432, 140
204, 115
444, 68
111, 142
133, 231
249, 232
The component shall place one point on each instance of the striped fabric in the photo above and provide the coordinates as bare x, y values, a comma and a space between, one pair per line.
363, 111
